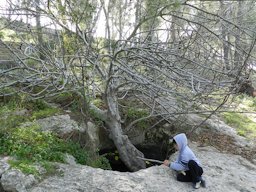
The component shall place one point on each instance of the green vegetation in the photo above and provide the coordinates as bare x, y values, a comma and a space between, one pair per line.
133, 113
98, 103
96, 119
63, 97
31, 62
40, 110
99, 162
9, 35
68, 99
25, 166
32, 148
11, 114
44, 113
29, 146
245, 123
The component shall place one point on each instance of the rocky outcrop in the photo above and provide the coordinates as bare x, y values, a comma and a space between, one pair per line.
65, 127
222, 172
217, 125
61, 124
188, 121
89, 135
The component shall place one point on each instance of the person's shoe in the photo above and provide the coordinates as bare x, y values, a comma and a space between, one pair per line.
203, 183
197, 185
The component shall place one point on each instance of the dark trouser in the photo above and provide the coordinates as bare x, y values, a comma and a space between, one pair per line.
193, 174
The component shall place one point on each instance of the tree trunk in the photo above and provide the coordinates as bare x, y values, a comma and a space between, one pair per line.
39, 30
127, 151
237, 54
224, 33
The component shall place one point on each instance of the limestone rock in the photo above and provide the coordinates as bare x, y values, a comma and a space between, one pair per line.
92, 132
15, 181
223, 172
4, 166
61, 124
69, 159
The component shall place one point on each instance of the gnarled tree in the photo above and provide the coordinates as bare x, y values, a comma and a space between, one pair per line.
172, 75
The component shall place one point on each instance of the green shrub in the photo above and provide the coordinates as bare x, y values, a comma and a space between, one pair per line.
25, 166
253, 104
37, 105
45, 113
38, 109
29, 145
29, 167
12, 121
10, 104
134, 113
244, 125
70, 100
96, 119
31, 62
99, 162
98, 103
63, 98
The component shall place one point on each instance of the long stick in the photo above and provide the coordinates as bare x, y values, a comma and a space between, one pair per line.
151, 160
157, 161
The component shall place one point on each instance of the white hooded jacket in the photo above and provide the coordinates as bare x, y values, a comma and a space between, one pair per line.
185, 154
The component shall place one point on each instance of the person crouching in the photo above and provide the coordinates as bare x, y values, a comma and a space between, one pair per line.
187, 164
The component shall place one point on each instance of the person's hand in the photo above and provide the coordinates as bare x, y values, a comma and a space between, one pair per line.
166, 163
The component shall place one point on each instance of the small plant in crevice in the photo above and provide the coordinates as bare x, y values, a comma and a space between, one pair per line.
99, 161
96, 119
25, 166
98, 103
45, 113
40, 170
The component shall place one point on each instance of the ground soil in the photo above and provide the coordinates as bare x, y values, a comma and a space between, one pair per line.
224, 143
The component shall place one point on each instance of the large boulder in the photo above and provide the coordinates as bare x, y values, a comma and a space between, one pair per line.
223, 172
90, 135
61, 124
65, 127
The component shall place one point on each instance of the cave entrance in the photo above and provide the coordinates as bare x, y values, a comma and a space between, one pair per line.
150, 151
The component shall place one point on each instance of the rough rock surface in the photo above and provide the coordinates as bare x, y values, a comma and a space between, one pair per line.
61, 124
90, 135
14, 180
223, 172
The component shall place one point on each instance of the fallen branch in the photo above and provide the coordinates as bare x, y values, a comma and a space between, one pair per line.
151, 160
157, 161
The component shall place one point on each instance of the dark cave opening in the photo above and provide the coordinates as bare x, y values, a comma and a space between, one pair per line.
150, 151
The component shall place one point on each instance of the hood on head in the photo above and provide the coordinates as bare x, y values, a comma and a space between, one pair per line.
181, 140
